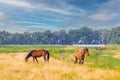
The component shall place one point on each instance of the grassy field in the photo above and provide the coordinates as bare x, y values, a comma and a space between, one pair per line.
100, 65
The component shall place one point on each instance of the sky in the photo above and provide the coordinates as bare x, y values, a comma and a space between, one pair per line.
54, 15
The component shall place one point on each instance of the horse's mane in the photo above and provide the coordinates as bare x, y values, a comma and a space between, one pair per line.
29, 54
86, 49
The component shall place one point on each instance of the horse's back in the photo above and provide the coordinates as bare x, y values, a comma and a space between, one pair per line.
38, 53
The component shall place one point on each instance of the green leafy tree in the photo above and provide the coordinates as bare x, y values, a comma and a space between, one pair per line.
115, 35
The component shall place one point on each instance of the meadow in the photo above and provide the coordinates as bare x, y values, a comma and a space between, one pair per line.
100, 65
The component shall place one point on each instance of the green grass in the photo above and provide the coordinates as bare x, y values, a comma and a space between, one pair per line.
102, 59
27, 48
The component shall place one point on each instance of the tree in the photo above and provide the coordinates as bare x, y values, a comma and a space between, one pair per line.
115, 35
86, 35
96, 37
47, 37
83, 35
105, 36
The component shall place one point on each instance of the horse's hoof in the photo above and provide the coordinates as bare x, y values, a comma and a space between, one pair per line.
75, 62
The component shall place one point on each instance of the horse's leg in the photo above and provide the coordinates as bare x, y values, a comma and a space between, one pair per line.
76, 60
33, 59
82, 61
36, 59
44, 58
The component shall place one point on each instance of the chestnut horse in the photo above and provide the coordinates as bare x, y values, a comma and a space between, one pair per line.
80, 54
38, 53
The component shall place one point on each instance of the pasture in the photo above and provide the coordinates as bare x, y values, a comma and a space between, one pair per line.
100, 65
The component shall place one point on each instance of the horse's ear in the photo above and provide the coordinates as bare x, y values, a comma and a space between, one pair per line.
85, 48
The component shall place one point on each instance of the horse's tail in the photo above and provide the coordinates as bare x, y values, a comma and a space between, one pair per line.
28, 55
48, 55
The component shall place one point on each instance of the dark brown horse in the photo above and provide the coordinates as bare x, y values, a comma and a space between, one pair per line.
38, 53
80, 54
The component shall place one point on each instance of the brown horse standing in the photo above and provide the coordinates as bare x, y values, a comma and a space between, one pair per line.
80, 54
38, 53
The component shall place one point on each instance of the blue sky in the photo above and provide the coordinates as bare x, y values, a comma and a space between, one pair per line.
54, 15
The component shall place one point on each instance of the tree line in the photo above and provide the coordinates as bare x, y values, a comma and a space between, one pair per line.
83, 35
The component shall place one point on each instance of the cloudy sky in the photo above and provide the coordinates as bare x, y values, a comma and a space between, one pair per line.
40, 15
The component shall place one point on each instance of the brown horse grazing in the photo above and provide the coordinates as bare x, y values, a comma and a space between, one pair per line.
38, 53
80, 54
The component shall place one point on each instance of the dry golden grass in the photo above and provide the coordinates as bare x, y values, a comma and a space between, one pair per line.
116, 53
13, 67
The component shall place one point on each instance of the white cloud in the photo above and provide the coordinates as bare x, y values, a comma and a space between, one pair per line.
20, 29
3, 16
103, 16
25, 22
62, 7
108, 11
57, 10
19, 3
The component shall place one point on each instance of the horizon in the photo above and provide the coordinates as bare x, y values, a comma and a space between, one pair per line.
55, 15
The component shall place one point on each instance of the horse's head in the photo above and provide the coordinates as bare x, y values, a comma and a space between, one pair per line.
26, 59
86, 51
